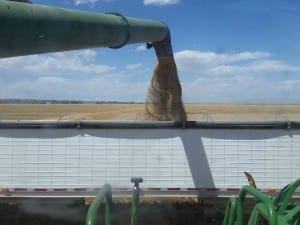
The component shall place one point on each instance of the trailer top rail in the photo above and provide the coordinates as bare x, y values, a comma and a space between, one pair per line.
148, 125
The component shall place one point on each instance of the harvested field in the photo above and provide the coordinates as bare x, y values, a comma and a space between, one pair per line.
135, 112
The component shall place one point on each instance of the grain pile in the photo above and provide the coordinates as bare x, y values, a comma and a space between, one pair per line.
164, 93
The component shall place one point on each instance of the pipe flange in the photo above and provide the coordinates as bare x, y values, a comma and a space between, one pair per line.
128, 33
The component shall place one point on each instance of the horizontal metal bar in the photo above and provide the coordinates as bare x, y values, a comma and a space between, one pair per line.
147, 125
145, 192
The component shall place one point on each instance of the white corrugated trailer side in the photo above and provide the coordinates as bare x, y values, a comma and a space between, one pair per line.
79, 157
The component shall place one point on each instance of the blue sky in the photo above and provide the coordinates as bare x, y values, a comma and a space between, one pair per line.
227, 51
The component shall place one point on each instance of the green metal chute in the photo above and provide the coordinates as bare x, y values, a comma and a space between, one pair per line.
32, 29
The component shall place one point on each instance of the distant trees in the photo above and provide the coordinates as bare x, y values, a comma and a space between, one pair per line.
41, 101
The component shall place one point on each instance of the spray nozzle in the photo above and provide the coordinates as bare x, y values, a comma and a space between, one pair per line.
136, 181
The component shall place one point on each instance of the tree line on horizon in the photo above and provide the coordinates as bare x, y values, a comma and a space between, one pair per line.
43, 101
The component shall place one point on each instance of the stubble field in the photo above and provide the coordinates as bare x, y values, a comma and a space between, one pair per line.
136, 112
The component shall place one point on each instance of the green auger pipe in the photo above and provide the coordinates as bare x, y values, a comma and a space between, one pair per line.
31, 29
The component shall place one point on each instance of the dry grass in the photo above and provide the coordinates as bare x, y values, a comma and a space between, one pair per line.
200, 112
237, 112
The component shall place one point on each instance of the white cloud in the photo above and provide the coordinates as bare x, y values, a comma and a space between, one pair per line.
146, 2
161, 2
272, 66
140, 48
58, 63
210, 63
92, 89
242, 89
82, 2
190, 59
206, 77
68, 75
257, 66
237, 77
133, 66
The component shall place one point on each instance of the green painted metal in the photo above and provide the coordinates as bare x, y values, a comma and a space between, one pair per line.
259, 215
134, 206
104, 194
279, 210
230, 213
31, 29
293, 216
264, 199
135, 200
283, 200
